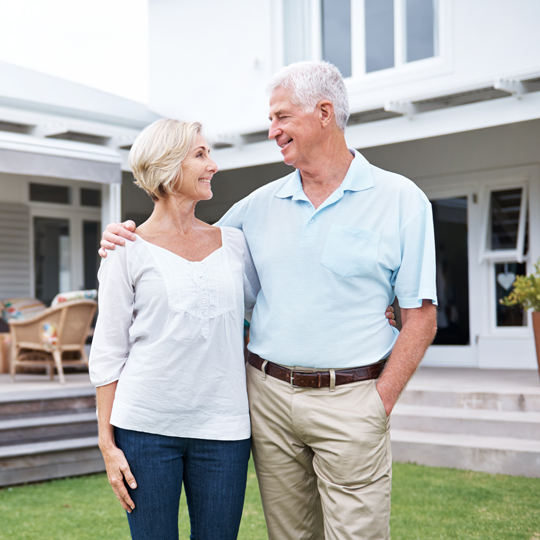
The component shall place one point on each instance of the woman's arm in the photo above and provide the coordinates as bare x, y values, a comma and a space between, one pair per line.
108, 355
118, 470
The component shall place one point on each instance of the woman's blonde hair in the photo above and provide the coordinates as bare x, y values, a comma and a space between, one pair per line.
157, 154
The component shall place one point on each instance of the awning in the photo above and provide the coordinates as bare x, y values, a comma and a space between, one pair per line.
15, 162
22, 154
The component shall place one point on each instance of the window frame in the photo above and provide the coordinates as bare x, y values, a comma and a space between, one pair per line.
504, 255
74, 213
485, 335
438, 64
488, 258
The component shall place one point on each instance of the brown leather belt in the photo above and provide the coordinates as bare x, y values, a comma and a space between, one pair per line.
316, 379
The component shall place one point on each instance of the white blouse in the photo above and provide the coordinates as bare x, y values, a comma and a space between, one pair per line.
171, 332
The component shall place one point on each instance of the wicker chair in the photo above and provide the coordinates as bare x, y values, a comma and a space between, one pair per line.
72, 322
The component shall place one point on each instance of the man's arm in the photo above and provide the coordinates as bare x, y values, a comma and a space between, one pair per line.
419, 329
114, 235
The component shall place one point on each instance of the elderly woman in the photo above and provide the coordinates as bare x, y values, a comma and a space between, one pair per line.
167, 355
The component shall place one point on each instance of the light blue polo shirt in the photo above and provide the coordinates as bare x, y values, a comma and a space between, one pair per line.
327, 274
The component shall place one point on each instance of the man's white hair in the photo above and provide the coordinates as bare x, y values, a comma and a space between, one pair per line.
312, 82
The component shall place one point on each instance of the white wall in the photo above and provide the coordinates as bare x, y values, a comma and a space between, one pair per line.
210, 59
480, 42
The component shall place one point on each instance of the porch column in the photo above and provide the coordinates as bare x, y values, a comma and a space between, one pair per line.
111, 208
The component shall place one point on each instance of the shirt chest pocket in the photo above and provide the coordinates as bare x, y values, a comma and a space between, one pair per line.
349, 251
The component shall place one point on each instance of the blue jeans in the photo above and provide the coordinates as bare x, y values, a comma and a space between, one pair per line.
214, 475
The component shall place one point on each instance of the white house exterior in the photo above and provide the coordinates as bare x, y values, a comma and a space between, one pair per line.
62, 165
445, 92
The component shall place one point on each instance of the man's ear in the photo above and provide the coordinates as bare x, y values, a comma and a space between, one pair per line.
326, 112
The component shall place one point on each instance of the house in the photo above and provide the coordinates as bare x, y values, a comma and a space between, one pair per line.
63, 172
445, 92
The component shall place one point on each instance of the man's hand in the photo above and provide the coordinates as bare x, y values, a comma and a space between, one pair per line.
114, 236
419, 329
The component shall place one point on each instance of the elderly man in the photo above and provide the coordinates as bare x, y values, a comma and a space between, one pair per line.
333, 243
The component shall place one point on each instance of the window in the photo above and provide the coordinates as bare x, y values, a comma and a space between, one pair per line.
50, 193
379, 34
505, 275
296, 30
91, 197
336, 34
505, 245
398, 32
391, 32
420, 29
505, 225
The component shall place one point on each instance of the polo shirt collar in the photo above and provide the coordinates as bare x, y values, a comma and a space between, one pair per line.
358, 178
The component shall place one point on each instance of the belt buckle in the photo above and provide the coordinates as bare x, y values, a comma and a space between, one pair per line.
292, 380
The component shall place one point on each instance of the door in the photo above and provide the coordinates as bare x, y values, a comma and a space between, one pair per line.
52, 258
453, 345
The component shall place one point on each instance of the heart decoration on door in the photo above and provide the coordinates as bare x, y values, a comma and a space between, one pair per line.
506, 280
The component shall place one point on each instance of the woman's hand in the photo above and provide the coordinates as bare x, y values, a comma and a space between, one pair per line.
118, 473
390, 316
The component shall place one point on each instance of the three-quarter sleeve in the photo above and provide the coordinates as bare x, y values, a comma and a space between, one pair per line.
415, 280
110, 345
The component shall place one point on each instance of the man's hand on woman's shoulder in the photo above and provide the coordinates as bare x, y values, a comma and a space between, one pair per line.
114, 235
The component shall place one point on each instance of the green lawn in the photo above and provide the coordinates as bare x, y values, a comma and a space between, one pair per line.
427, 504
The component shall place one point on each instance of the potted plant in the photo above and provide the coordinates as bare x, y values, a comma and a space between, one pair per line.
526, 293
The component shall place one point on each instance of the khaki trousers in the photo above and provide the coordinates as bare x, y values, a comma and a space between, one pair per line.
323, 459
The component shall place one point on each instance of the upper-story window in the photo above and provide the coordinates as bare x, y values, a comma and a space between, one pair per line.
360, 36
336, 34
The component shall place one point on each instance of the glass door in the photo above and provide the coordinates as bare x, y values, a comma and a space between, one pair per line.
91, 259
451, 247
453, 218
52, 258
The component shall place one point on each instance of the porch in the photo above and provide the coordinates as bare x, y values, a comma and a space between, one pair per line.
477, 419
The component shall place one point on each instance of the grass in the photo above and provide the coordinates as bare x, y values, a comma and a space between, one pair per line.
427, 504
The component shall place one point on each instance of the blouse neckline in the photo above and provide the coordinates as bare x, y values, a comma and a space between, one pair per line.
220, 248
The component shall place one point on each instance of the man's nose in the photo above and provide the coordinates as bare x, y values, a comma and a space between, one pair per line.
273, 132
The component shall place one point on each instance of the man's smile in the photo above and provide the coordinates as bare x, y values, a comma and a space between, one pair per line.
282, 146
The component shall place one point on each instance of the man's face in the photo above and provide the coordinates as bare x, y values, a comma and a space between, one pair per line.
295, 131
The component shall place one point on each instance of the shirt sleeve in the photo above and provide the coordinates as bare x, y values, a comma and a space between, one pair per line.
415, 278
110, 344
235, 216
251, 281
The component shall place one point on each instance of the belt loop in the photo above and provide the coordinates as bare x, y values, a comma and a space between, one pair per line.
263, 369
332, 380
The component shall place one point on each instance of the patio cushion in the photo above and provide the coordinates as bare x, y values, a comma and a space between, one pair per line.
21, 308
90, 294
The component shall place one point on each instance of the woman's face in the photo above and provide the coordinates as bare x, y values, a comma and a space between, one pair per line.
197, 171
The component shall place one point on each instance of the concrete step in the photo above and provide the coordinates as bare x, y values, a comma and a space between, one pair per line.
49, 402
484, 422
495, 401
47, 460
47, 428
495, 455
